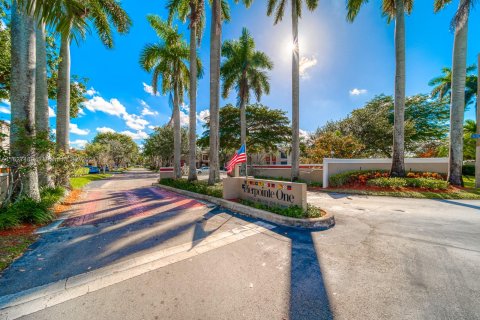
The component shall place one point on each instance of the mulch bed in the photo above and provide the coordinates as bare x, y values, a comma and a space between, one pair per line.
379, 189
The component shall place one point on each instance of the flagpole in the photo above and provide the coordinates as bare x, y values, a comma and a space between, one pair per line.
246, 162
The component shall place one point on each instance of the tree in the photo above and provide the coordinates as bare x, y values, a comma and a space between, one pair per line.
334, 144
102, 15
158, 146
122, 149
100, 153
22, 96
5, 53
425, 123
442, 85
459, 74
278, 6
245, 69
266, 129
394, 9
469, 144
169, 60
194, 10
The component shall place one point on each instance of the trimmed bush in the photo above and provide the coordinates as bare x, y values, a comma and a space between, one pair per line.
394, 183
398, 183
468, 170
81, 171
357, 176
196, 186
293, 211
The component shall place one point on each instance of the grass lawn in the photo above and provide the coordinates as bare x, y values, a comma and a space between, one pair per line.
82, 181
467, 193
13, 243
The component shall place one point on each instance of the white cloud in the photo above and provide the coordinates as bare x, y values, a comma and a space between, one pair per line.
79, 143
184, 119
305, 64
51, 112
147, 110
149, 89
5, 101
5, 110
112, 107
92, 92
151, 127
203, 115
357, 92
135, 122
76, 130
139, 135
105, 130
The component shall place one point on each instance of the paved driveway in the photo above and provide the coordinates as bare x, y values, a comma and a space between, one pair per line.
131, 251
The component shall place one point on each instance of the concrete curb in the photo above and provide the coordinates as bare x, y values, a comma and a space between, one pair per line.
323, 223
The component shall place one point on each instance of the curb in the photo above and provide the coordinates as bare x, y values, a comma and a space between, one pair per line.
59, 220
323, 223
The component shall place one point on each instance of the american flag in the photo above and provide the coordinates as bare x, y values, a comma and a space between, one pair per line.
239, 157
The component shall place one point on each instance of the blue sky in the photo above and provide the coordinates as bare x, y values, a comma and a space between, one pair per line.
344, 64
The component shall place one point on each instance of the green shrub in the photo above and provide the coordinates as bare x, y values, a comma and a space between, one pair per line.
468, 170
394, 183
81, 171
355, 176
424, 183
196, 186
293, 211
8, 220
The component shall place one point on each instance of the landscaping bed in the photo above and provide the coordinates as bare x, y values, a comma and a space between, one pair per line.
415, 185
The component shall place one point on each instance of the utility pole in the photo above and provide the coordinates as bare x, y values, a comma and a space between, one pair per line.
477, 149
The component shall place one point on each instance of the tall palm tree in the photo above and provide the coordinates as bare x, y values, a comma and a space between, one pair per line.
394, 10
41, 103
245, 69
103, 14
442, 85
22, 95
168, 60
277, 7
459, 73
194, 10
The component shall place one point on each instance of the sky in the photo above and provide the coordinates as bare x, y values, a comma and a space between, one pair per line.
343, 65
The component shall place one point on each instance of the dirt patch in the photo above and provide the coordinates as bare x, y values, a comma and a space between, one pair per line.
65, 205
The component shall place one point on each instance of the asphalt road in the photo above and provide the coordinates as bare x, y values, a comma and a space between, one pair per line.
386, 258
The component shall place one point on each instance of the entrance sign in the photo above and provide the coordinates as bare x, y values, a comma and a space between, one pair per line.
269, 192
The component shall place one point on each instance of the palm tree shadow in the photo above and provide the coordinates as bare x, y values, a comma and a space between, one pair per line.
308, 295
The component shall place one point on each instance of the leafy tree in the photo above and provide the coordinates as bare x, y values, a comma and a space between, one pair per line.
158, 146
277, 7
168, 60
425, 122
394, 10
122, 149
100, 153
334, 144
245, 69
5, 53
266, 129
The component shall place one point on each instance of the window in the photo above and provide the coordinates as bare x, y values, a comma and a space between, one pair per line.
283, 155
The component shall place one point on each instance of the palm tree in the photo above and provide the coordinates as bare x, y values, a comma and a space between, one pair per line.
194, 10
245, 69
22, 95
442, 85
103, 15
278, 6
459, 73
394, 9
169, 60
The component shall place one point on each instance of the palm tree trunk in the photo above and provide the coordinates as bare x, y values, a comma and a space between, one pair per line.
398, 158
177, 136
63, 96
457, 106
41, 106
295, 95
215, 44
192, 132
477, 151
243, 127
22, 96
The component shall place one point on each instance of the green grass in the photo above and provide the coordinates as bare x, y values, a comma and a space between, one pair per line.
197, 186
293, 211
13, 246
82, 181
469, 181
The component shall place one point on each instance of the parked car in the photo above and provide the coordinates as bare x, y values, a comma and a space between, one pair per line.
93, 170
203, 170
